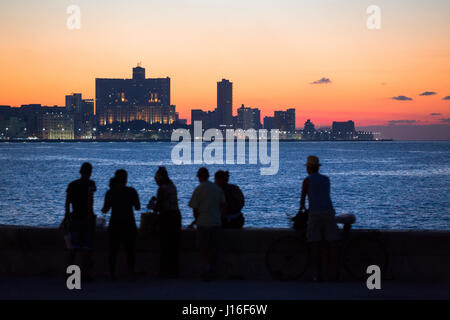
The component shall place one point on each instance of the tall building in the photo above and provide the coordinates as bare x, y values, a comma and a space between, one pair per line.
225, 103
290, 120
248, 118
74, 102
121, 99
268, 123
82, 111
284, 120
343, 130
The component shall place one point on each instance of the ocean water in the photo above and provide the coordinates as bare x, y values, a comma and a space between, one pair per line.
387, 185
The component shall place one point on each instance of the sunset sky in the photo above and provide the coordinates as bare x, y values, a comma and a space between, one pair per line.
272, 51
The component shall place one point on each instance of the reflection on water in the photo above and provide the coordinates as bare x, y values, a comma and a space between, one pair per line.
387, 185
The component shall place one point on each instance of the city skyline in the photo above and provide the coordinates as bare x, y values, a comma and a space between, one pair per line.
323, 121
401, 129
321, 60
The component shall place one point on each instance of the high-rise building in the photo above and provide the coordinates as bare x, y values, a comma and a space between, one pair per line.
290, 120
248, 118
343, 130
82, 111
225, 103
284, 120
85, 121
74, 102
125, 96
268, 123
87, 109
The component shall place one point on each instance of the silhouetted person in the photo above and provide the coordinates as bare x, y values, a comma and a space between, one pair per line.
122, 225
321, 224
233, 217
81, 220
208, 203
166, 204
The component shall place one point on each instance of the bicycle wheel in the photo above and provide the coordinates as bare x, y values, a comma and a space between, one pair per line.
362, 252
287, 258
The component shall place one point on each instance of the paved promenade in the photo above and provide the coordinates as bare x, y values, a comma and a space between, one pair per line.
189, 289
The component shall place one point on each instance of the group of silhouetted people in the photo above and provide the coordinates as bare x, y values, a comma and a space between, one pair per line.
215, 205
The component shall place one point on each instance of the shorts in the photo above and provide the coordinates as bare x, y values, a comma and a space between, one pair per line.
321, 226
208, 238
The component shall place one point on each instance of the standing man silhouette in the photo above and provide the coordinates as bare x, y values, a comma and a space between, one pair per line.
321, 224
208, 204
166, 204
121, 200
81, 219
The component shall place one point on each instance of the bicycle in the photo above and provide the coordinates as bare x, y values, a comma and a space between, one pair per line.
288, 257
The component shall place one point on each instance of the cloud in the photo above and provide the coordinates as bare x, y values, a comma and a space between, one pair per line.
446, 120
402, 98
435, 114
322, 81
446, 98
427, 93
393, 122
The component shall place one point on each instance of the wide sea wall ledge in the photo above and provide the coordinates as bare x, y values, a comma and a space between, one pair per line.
413, 255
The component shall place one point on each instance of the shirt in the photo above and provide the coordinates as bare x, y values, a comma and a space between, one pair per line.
122, 201
167, 199
319, 193
80, 193
207, 199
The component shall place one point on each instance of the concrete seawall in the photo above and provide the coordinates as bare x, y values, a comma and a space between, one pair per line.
413, 255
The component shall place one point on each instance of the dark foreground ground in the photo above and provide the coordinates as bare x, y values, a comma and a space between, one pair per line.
188, 289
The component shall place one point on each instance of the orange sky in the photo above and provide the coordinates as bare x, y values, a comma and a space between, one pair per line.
271, 51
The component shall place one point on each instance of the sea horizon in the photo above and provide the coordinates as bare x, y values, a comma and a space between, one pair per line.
391, 185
